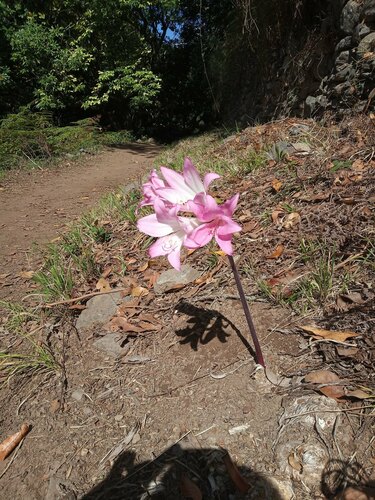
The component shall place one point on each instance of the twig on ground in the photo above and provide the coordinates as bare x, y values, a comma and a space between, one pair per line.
82, 297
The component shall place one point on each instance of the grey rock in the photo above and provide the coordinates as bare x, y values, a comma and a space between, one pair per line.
341, 87
171, 278
110, 345
345, 72
342, 58
368, 13
132, 186
350, 16
344, 44
311, 103
360, 31
60, 489
299, 129
279, 150
99, 310
301, 147
77, 395
367, 44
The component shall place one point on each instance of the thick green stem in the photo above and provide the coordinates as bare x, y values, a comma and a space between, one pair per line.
258, 350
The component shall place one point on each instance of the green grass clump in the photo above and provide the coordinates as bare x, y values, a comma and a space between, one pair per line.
38, 356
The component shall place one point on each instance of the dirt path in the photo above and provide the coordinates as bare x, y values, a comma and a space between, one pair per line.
35, 206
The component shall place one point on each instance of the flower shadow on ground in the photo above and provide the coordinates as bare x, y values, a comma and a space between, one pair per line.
346, 479
204, 325
164, 477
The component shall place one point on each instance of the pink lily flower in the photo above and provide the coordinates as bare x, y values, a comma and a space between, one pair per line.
216, 222
150, 189
183, 187
170, 229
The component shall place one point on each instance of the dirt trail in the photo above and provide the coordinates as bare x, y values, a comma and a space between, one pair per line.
35, 206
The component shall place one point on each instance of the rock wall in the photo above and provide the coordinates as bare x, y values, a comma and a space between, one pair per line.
282, 58
350, 85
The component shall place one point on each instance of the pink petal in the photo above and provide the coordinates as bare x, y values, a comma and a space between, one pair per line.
230, 206
204, 207
192, 177
170, 194
177, 182
208, 178
166, 245
228, 226
151, 226
174, 259
200, 236
224, 242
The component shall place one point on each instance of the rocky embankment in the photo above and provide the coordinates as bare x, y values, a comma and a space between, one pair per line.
350, 86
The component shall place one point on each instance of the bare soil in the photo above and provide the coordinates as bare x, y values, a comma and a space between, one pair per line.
160, 420
35, 206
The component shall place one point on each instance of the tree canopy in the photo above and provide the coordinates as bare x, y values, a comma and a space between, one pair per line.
137, 64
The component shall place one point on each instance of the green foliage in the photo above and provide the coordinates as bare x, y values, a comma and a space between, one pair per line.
139, 87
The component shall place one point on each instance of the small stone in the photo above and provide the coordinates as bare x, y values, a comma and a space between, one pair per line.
238, 429
368, 13
301, 147
136, 438
168, 280
77, 395
246, 409
344, 44
349, 16
99, 310
342, 58
299, 129
87, 411
367, 44
360, 32
118, 418
110, 344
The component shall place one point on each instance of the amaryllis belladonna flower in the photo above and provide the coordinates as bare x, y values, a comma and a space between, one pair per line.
170, 229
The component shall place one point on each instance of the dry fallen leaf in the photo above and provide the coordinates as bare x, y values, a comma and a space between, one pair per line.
107, 271
339, 336
312, 197
291, 220
360, 394
346, 351
77, 307
10, 443
277, 252
103, 285
119, 322
240, 482
139, 291
295, 461
276, 215
321, 377
277, 185
143, 267
189, 489
332, 391
27, 274
358, 165
249, 226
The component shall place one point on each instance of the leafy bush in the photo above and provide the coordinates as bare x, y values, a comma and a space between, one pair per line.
30, 137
